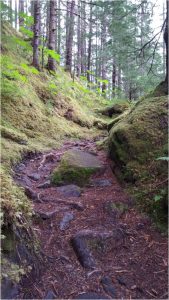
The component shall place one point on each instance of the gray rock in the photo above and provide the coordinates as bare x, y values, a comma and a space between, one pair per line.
83, 253
64, 224
45, 185
22, 142
101, 182
108, 286
47, 215
20, 167
34, 176
70, 190
91, 295
50, 295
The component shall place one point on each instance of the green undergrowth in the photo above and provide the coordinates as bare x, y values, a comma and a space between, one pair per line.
39, 112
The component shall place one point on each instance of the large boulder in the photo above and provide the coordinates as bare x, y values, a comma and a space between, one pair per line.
76, 167
137, 141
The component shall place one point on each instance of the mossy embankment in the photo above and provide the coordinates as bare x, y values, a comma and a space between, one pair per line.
39, 111
136, 144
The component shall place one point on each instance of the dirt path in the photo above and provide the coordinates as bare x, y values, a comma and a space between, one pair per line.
130, 265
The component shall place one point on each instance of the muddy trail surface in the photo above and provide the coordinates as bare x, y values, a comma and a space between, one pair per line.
96, 245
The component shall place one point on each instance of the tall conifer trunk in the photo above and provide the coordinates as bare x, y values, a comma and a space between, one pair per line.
166, 39
52, 34
70, 33
21, 10
36, 34
89, 46
103, 42
78, 41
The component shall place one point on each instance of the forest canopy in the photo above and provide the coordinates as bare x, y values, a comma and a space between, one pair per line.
115, 47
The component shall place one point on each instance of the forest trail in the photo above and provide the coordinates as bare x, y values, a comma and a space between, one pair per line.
95, 244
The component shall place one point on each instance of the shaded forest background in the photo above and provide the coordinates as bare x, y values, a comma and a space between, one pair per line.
111, 45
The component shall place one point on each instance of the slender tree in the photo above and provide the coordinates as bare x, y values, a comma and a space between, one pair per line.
16, 14
70, 33
89, 45
78, 41
83, 38
59, 28
52, 34
36, 34
114, 80
103, 42
21, 10
166, 39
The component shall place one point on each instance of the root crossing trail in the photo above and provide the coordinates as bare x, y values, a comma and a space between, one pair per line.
96, 245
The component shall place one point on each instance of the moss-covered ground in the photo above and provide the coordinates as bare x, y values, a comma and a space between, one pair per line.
39, 111
136, 144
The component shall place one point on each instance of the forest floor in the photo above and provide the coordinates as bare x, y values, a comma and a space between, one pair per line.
129, 264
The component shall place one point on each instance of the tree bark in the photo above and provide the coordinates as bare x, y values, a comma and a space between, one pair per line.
59, 28
89, 45
70, 33
52, 34
114, 80
21, 10
16, 14
78, 41
166, 40
83, 39
103, 41
36, 34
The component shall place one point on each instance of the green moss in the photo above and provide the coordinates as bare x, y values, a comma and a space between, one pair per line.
136, 141
66, 174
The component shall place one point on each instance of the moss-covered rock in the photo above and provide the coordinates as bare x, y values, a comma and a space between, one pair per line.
136, 141
115, 109
76, 167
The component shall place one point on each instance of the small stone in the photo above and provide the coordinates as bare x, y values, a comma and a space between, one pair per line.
108, 286
70, 190
22, 142
47, 215
34, 176
133, 287
91, 295
20, 167
64, 224
50, 295
45, 185
101, 182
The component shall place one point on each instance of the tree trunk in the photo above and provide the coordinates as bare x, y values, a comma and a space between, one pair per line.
89, 45
103, 42
16, 14
83, 39
36, 34
10, 12
70, 32
78, 42
21, 10
119, 78
59, 28
166, 40
52, 34
114, 80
